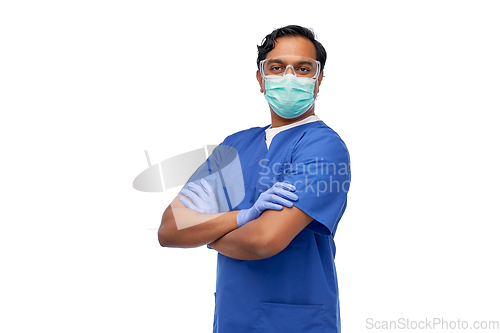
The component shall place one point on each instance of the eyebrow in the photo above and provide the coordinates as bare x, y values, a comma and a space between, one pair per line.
305, 62
279, 61
275, 61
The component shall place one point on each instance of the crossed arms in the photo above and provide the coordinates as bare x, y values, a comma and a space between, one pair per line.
261, 238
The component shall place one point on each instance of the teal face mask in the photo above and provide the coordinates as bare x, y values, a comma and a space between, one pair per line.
289, 96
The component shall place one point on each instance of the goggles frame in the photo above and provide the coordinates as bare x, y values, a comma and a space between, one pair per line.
261, 67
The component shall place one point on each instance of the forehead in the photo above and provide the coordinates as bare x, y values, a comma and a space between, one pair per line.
293, 45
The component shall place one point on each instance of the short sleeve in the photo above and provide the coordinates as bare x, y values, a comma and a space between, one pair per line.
222, 170
320, 171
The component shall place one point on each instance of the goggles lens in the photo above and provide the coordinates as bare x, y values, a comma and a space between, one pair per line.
297, 65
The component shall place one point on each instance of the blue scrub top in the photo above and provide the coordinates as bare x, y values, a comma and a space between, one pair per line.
296, 289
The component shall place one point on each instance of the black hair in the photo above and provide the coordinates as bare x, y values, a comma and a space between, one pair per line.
269, 42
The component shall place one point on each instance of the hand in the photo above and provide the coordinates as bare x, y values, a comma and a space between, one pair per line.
202, 197
274, 198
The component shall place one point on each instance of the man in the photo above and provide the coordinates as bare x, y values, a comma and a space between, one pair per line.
274, 236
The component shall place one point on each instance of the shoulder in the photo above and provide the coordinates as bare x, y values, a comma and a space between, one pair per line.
239, 138
321, 138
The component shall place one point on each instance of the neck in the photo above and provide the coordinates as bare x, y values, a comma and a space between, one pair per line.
277, 121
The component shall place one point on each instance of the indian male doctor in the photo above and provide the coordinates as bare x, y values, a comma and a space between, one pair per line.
275, 266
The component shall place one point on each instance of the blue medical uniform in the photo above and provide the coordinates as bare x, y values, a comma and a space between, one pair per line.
296, 289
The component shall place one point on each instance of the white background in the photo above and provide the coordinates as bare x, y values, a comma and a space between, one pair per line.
412, 87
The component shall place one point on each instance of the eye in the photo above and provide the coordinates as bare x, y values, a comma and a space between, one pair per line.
276, 68
303, 69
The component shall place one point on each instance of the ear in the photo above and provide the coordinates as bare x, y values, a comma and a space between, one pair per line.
320, 78
261, 81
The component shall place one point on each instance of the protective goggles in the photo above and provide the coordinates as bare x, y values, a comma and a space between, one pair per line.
300, 66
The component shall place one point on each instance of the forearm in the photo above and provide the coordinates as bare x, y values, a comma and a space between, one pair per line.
242, 243
182, 227
265, 236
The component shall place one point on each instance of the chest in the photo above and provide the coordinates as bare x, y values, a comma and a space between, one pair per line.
263, 167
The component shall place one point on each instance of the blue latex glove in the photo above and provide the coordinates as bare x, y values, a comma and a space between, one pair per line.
274, 198
202, 197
